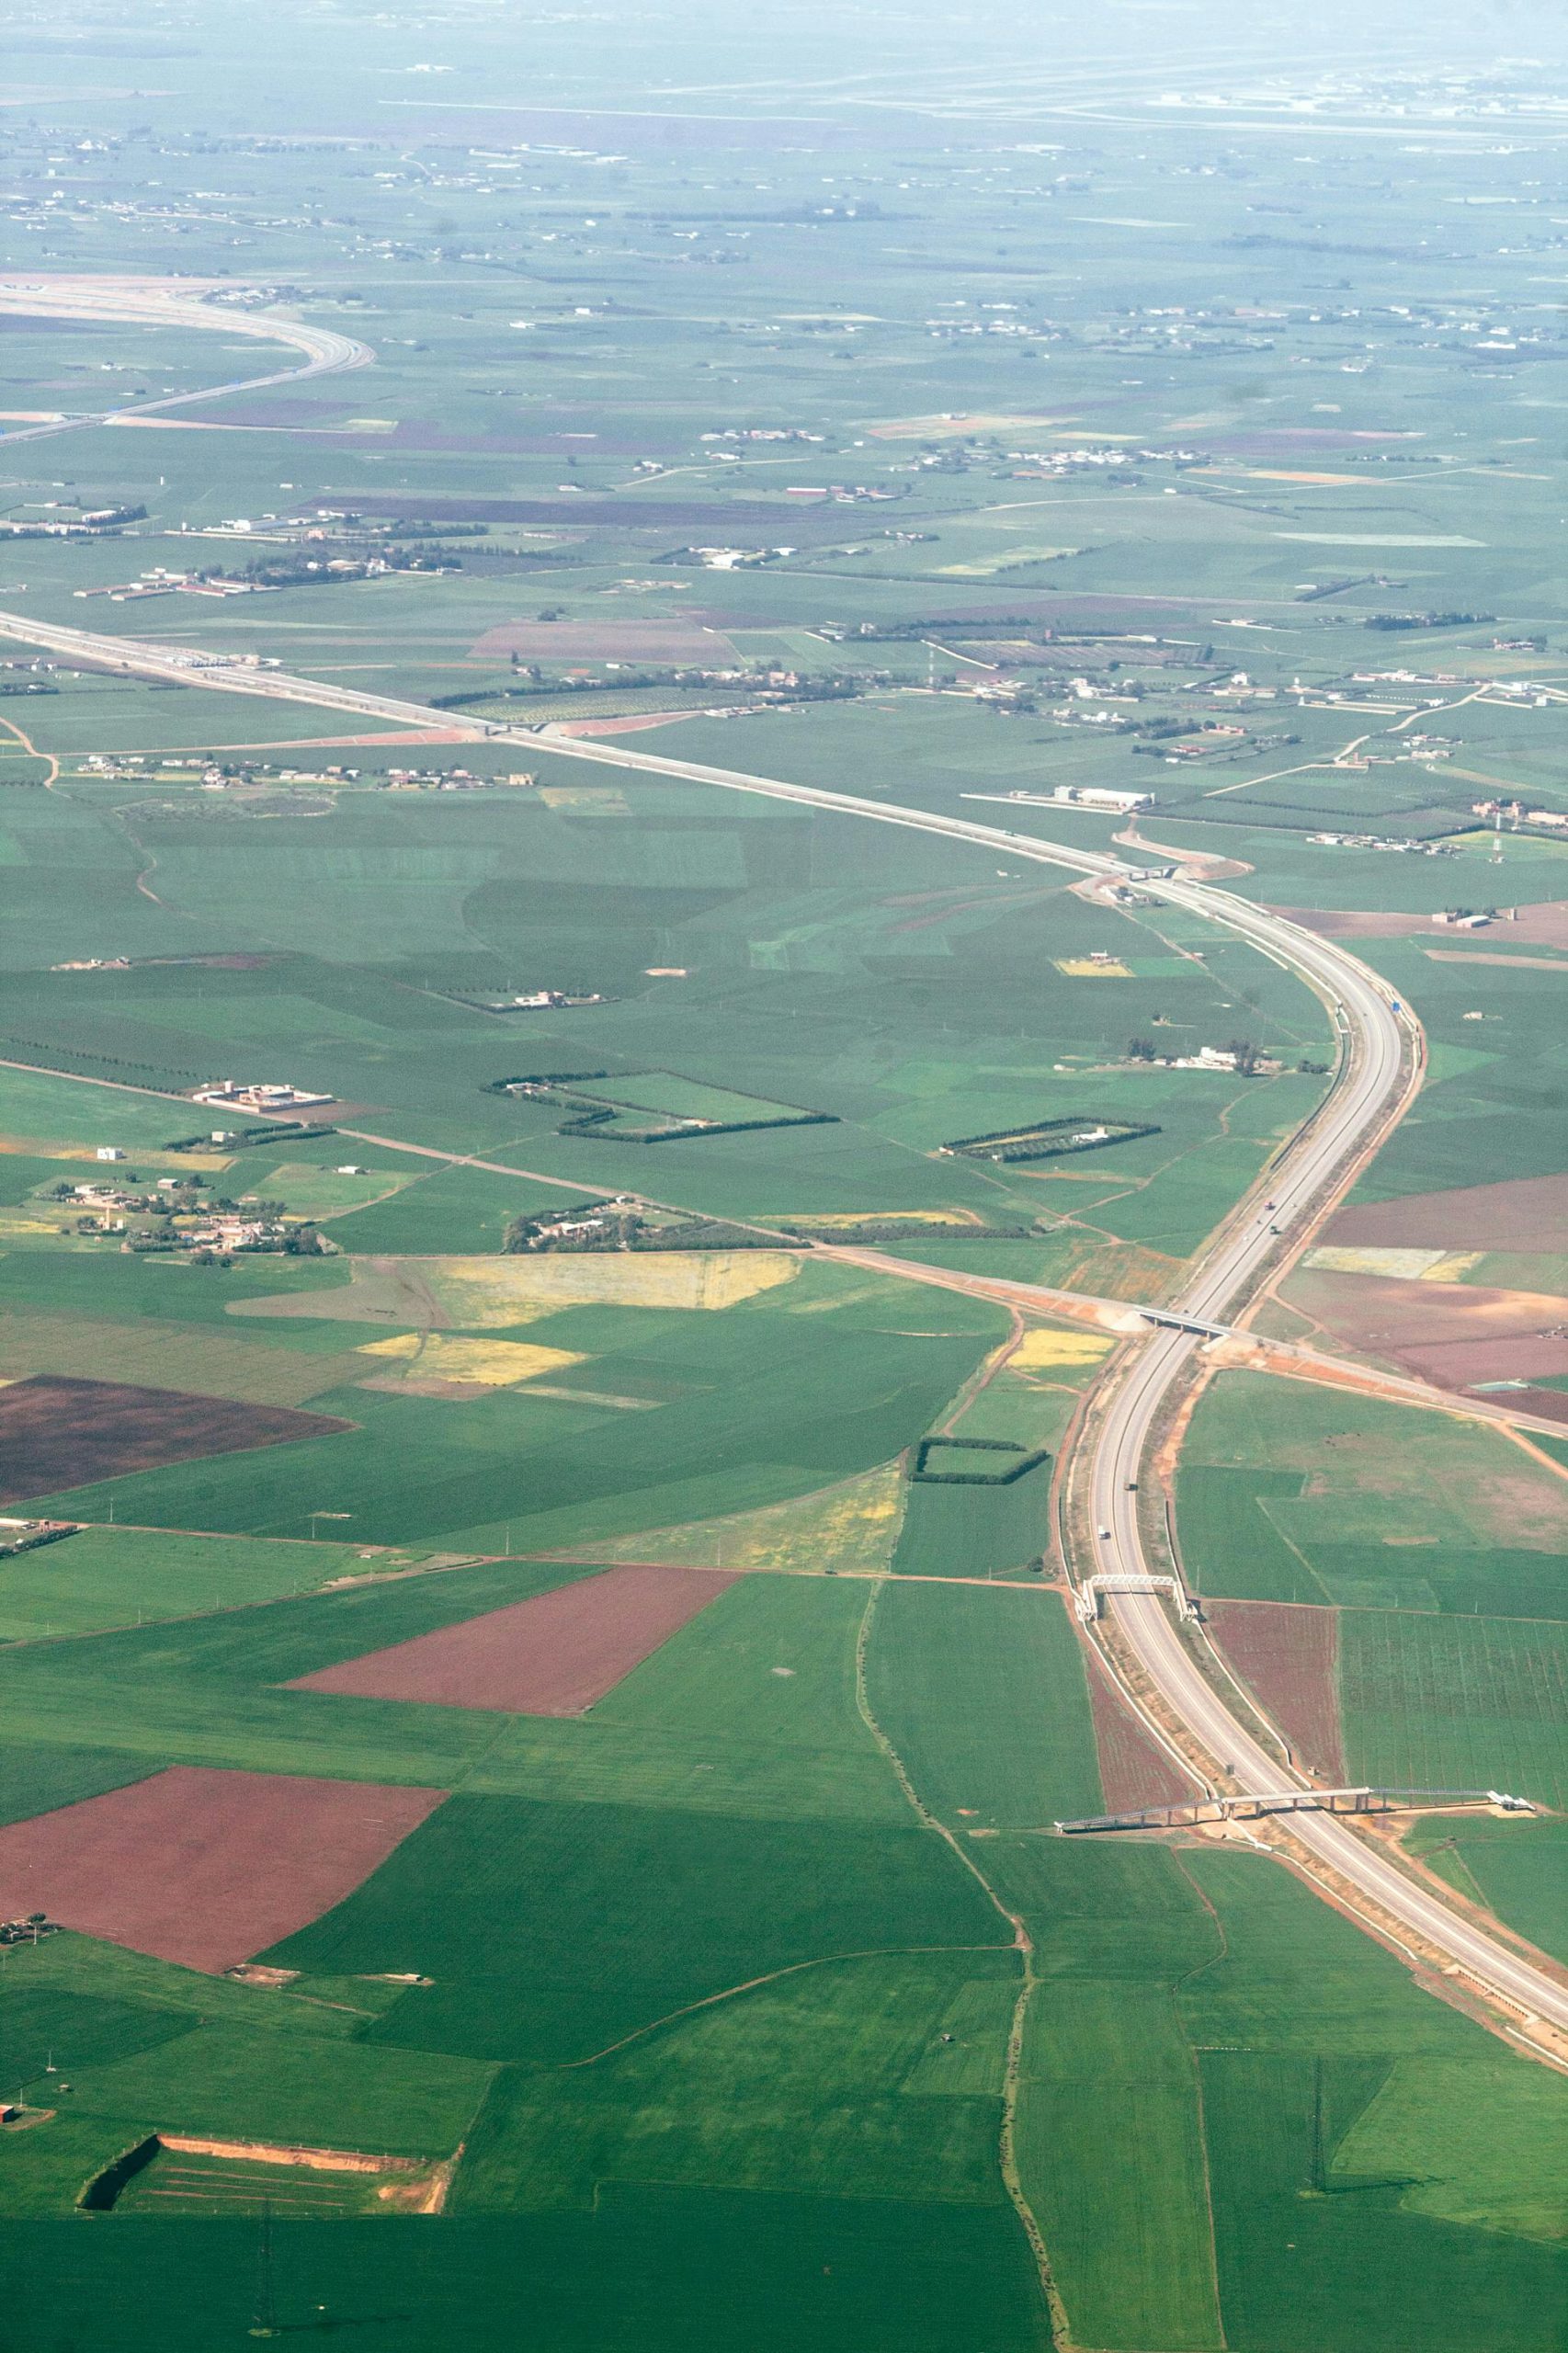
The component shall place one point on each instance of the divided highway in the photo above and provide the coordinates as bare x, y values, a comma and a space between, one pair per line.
1380, 1041
153, 303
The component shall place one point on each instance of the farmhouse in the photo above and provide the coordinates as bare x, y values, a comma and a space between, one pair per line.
1095, 796
256, 1096
21, 1535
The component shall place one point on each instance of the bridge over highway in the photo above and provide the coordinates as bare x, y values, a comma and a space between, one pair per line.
1381, 1062
1251, 1806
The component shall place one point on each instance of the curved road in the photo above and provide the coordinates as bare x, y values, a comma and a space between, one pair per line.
136, 302
1379, 1038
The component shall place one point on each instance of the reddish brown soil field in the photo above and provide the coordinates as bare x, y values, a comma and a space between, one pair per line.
658, 642
1348, 923
1461, 1364
551, 1655
1551, 1404
1287, 1654
1452, 1334
1542, 925
201, 1867
56, 1432
1134, 1770
1523, 1213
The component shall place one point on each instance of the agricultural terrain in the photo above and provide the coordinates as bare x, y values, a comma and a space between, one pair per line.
547, 1311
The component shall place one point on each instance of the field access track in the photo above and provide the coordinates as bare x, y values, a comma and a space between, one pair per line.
1379, 1064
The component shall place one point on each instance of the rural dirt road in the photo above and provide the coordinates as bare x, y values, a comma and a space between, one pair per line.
1379, 1064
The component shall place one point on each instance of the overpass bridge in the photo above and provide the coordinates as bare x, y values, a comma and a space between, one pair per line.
1173, 1319
1251, 1806
1086, 1596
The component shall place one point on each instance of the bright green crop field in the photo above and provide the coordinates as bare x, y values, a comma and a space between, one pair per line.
1142, 402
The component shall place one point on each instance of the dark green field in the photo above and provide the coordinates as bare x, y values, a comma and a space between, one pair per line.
1156, 401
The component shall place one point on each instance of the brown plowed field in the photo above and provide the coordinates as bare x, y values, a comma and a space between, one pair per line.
1545, 925
57, 1433
1134, 1770
1460, 1365
1551, 1404
1522, 1214
1287, 1654
1452, 1334
551, 1655
201, 1867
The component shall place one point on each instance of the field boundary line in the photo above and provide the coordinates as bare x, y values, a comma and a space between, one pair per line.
1012, 2180
754, 1984
1176, 1984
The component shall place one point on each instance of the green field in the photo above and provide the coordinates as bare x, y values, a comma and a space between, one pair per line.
1290, 1493
1521, 1878
1455, 1704
732, 2096
1140, 400
120, 1576
975, 1530
767, 1400
946, 1664
683, 1908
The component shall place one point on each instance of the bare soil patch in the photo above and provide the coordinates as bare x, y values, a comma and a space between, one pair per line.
203, 1867
1452, 1334
1456, 1364
1206, 864
1289, 1655
1544, 925
57, 1433
380, 1290
1134, 1769
617, 726
553, 1655
1549, 1404
1493, 956
1522, 1214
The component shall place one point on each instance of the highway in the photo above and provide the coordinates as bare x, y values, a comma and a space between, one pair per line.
1379, 1050
156, 303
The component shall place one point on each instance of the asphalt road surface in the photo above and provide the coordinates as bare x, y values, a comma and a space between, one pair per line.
48, 296
1378, 1035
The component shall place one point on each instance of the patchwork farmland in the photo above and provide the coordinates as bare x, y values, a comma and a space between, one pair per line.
583, 1409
